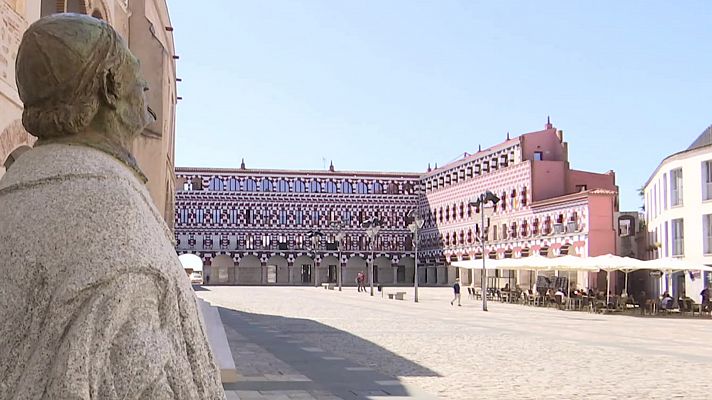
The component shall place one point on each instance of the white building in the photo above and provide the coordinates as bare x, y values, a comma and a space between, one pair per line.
678, 213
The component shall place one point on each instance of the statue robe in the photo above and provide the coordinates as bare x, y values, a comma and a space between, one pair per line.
94, 303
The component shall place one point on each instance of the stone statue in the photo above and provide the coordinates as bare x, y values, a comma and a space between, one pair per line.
94, 303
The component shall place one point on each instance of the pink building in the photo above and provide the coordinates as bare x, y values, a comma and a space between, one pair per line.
545, 206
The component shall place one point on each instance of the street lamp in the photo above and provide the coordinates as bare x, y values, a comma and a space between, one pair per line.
480, 202
314, 238
339, 237
373, 226
414, 227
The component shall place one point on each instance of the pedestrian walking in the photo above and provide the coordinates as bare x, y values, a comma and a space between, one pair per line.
359, 281
456, 290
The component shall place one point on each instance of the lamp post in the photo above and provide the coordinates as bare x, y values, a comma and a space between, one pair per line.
414, 227
373, 226
339, 237
314, 238
480, 202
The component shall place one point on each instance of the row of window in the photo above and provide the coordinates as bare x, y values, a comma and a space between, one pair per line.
476, 168
659, 191
299, 217
328, 242
674, 237
298, 186
513, 230
454, 212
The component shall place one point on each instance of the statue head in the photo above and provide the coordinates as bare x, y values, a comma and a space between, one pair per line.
80, 83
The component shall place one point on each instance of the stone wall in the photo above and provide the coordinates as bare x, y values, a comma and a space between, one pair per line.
145, 24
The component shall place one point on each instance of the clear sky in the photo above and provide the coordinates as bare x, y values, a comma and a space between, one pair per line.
392, 85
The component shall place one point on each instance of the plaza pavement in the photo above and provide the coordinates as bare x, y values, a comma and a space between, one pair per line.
310, 343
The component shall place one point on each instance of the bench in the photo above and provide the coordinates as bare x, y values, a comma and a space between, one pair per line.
328, 286
396, 295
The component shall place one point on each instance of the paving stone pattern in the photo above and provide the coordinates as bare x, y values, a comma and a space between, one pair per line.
431, 347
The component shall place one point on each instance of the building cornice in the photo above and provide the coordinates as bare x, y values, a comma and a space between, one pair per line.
291, 172
572, 197
680, 155
485, 152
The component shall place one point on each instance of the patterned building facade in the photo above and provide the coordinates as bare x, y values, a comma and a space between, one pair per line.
247, 224
545, 207
146, 26
252, 226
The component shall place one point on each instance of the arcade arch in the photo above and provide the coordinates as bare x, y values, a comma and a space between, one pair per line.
354, 265
191, 262
405, 270
276, 270
328, 269
383, 271
223, 269
249, 270
303, 271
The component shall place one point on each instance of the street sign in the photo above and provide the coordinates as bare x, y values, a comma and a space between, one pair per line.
656, 274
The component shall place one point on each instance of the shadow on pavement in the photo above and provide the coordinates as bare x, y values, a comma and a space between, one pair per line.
345, 378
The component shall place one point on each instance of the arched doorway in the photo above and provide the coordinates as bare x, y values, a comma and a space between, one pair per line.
382, 270
328, 270
191, 263
276, 270
303, 270
354, 265
223, 270
249, 270
406, 270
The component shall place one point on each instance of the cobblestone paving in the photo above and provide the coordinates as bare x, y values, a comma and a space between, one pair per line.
512, 351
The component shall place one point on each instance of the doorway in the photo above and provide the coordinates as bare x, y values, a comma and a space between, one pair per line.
271, 274
306, 273
332, 274
400, 274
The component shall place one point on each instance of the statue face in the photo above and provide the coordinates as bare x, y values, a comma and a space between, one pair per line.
133, 111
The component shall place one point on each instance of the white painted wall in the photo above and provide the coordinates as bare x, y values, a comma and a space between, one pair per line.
691, 211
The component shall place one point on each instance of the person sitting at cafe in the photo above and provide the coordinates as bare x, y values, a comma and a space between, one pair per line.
705, 293
623, 299
560, 297
666, 301
685, 302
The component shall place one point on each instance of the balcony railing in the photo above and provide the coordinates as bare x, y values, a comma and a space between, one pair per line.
559, 229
